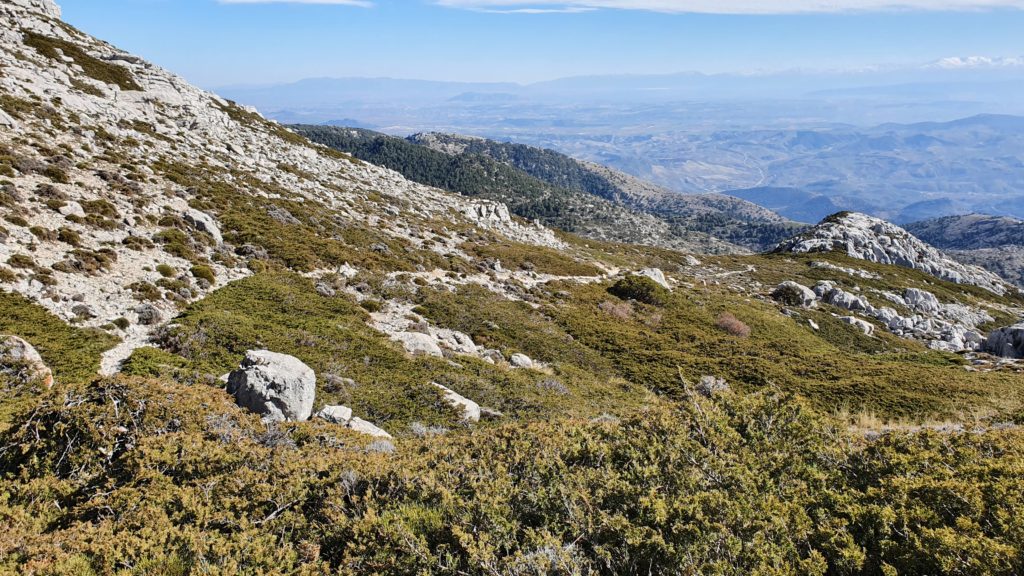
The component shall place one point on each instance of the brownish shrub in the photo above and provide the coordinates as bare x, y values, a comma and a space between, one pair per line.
732, 325
617, 310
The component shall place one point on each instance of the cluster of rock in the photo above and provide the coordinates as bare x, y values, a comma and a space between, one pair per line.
942, 326
281, 388
875, 240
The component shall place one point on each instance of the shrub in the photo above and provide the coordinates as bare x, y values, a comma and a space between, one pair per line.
640, 288
204, 272
166, 270
21, 261
732, 325
122, 323
43, 234
93, 67
57, 174
69, 236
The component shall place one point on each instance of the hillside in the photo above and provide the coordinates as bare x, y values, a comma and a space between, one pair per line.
477, 175
995, 243
565, 193
225, 349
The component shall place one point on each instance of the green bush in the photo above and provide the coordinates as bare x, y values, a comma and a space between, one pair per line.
204, 272
640, 288
166, 270
94, 67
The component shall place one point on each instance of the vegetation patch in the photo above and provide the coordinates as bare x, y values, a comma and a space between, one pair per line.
93, 67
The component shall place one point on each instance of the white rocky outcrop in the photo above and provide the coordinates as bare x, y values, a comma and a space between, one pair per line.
1007, 342
867, 238
794, 294
657, 275
277, 386
419, 344
519, 360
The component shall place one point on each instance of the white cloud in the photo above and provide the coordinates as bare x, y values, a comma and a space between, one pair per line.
975, 62
360, 3
729, 6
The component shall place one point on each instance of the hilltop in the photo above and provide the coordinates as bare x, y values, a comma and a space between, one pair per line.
227, 349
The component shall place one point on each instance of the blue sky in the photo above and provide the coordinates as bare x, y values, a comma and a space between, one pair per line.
218, 43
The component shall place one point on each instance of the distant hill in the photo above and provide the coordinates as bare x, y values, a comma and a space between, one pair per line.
563, 192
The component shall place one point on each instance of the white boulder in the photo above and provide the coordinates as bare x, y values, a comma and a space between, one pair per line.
278, 386
520, 361
419, 344
18, 355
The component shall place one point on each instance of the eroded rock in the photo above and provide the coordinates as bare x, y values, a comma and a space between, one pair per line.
277, 386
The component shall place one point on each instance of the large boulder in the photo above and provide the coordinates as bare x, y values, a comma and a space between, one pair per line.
921, 301
20, 358
278, 386
793, 294
1007, 342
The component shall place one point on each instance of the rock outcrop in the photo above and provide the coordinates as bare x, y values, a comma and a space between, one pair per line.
875, 240
19, 357
277, 386
1007, 342
794, 294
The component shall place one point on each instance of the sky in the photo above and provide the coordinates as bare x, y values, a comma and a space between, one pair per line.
218, 43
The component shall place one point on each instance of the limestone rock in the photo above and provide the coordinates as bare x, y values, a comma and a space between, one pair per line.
18, 355
794, 294
278, 386
867, 238
1007, 342
204, 223
864, 326
335, 414
520, 361
419, 344
657, 275
470, 409
364, 427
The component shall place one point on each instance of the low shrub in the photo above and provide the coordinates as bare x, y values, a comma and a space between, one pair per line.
732, 325
640, 288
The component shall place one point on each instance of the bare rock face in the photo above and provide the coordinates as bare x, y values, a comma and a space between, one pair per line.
342, 415
46, 7
1007, 342
862, 236
863, 325
278, 386
794, 294
20, 357
204, 223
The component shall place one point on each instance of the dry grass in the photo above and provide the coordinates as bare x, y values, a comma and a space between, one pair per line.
732, 325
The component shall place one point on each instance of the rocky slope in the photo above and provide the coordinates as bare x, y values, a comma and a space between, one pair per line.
995, 243
121, 183
875, 240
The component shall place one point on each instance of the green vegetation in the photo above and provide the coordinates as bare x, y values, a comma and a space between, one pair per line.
92, 66
515, 256
135, 476
640, 288
204, 272
72, 353
283, 312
